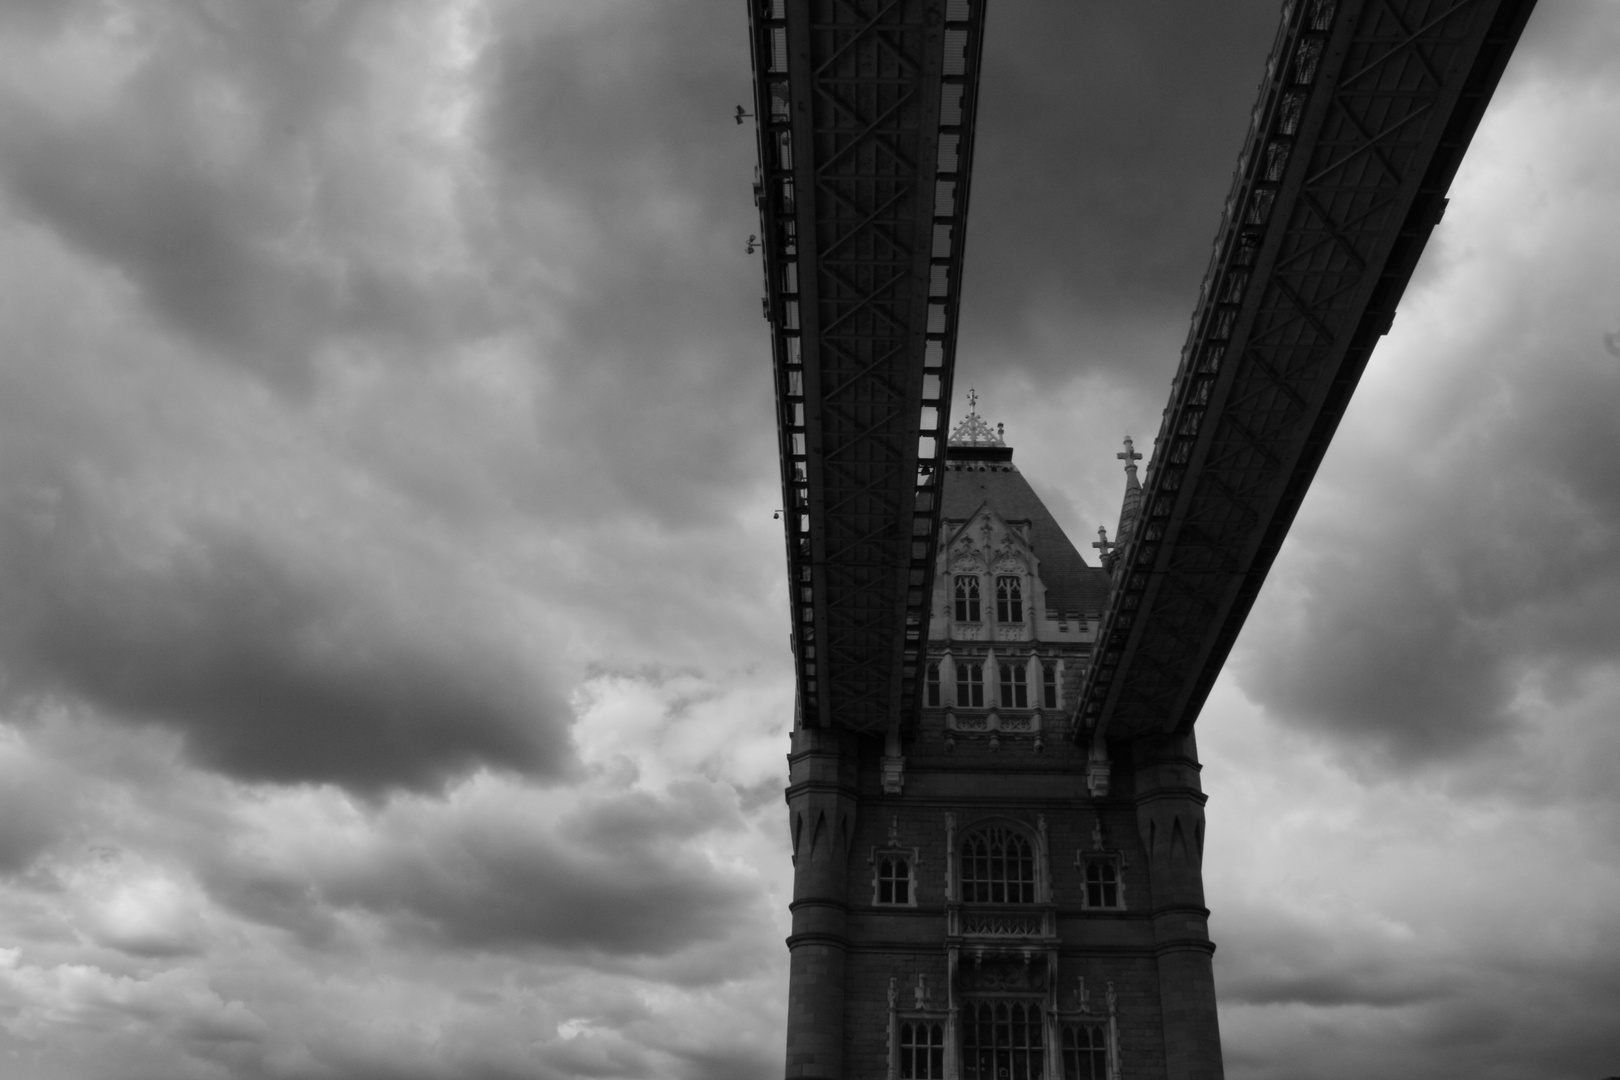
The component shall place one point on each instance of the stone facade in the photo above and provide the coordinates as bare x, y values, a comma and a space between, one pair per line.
984, 894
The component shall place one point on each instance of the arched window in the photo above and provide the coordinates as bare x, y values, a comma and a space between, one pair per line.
1009, 598
922, 1051
1085, 1052
1001, 1040
998, 867
967, 598
932, 684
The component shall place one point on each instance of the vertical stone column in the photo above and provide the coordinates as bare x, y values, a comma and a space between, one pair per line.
1170, 817
821, 799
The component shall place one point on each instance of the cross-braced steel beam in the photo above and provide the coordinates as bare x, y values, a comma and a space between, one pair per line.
1363, 118
865, 119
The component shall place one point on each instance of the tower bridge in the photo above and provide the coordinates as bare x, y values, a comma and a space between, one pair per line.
975, 704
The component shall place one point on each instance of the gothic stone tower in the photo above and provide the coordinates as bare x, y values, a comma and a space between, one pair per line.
986, 897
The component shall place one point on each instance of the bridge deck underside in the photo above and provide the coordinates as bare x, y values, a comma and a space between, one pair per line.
865, 112
1362, 120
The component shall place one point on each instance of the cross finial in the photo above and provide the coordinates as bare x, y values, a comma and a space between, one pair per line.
1102, 543
973, 431
1130, 457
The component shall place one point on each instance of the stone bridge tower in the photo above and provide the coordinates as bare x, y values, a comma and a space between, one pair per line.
987, 898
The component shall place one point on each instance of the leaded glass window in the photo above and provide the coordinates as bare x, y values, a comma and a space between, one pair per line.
1009, 598
922, 1051
998, 867
967, 598
1001, 1040
1102, 882
970, 684
1014, 686
1085, 1052
894, 881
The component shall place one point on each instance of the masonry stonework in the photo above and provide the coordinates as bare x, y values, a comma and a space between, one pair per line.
1052, 889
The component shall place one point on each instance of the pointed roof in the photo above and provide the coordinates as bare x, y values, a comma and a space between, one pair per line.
1131, 508
973, 438
973, 431
979, 476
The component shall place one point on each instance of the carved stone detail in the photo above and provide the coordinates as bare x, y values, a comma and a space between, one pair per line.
1002, 974
1001, 924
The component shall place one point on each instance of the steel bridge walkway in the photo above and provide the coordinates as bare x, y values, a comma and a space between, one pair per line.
865, 117
1363, 117
865, 122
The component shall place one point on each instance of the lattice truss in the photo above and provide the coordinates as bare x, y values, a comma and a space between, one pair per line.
864, 110
1363, 116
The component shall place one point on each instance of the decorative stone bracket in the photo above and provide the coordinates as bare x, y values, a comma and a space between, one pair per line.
995, 725
1011, 724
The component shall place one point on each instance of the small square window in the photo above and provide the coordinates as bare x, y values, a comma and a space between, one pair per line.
1103, 888
893, 881
894, 876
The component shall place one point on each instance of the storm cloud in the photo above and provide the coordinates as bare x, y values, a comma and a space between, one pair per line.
394, 677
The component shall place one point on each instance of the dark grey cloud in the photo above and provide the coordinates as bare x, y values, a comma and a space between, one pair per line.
271, 666
518, 360
1488, 567
661, 371
1107, 135
1344, 995
1267, 959
613, 874
33, 805
125, 194
742, 1062
228, 183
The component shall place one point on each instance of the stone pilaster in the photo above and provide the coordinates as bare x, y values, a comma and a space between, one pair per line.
821, 799
1170, 817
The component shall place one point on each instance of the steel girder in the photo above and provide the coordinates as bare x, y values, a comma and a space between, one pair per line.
1364, 114
865, 113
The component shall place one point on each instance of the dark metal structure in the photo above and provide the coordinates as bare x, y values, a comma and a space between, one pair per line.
865, 119
865, 115
1364, 114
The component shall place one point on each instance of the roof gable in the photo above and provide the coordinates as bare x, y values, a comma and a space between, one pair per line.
971, 487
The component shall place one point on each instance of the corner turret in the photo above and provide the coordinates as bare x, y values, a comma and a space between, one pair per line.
1130, 510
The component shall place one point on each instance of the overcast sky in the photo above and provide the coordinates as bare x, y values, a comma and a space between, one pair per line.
394, 678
